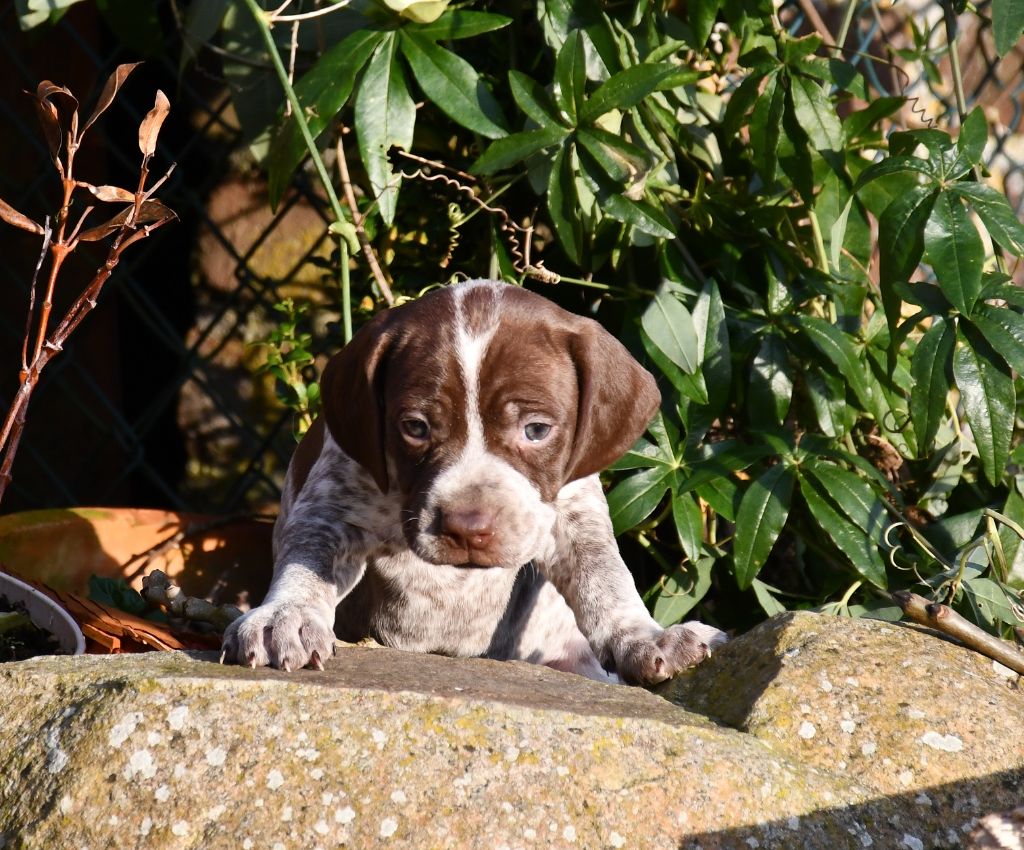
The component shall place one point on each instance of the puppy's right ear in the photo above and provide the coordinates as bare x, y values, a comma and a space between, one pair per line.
351, 392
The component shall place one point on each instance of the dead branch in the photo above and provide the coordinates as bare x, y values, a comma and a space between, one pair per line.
191, 611
944, 619
137, 220
357, 221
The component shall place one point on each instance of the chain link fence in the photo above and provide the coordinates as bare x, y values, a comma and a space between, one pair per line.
157, 402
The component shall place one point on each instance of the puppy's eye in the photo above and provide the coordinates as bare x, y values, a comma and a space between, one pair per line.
536, 431
416, 429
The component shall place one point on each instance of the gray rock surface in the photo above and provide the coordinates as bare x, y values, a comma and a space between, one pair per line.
387, 749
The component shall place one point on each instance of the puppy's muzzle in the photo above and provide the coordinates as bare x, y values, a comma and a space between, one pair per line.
468, 536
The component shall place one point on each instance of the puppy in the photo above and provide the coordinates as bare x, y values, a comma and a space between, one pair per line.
448, 500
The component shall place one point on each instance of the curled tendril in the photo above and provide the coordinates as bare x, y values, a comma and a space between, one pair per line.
511, 231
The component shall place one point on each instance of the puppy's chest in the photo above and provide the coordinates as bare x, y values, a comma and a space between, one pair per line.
435, 608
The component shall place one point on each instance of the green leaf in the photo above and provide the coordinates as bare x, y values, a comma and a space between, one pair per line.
531, 97
692, 387
986, 388
642, 215
762, 514
459, 23
725, 458
669, 325
643, 455
1004, 330
117, 593
689, 522
627, 88
563, 204
856, 124
839, 349
622, 161
571, 76
1007, 24
995, 213
769, 604
932, 374
634, 498
973, 136
816, 114
701, 15
1000, 287
713, 351
993, 599
766, 128
901, 235
771, 381
682, 590
953, 248
513, 149
454, 85
828, 400
848, 510
202, 20
896, 165
739, 104
385, 115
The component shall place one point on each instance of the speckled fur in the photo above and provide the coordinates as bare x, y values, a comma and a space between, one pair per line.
558, 592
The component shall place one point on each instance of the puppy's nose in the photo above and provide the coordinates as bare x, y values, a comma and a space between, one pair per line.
470, 529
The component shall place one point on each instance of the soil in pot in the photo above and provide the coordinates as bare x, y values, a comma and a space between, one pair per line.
20, 638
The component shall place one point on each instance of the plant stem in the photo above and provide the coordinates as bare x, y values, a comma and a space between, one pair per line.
819, 242
844, 29
263, 23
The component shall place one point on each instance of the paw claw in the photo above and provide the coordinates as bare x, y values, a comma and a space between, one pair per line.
315, 661
223, 655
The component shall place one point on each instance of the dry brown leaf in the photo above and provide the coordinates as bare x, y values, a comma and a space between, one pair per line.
47, 113
149, 129
110, 193
150, 213
110, 90
17, 219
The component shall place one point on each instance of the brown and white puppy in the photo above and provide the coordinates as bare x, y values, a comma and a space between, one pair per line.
452, 504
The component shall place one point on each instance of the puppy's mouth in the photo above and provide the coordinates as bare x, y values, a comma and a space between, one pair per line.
443, 555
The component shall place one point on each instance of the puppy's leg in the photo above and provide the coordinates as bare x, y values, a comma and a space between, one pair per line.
588, 571
318, 559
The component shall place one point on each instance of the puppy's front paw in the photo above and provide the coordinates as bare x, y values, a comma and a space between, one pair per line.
286, 635
647, 661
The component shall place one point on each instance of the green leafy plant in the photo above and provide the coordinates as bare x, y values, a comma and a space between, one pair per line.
288, 356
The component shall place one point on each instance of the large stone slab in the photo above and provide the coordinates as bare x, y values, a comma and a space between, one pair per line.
387, 749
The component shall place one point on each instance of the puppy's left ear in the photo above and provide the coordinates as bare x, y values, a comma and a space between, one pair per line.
617, 398
352, 403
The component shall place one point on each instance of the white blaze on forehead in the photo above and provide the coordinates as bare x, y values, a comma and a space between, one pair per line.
471, 346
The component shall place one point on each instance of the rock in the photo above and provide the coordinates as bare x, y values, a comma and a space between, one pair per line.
388, 749
885, 704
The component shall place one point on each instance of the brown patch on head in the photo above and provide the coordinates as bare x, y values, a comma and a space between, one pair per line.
547, 365
401, 362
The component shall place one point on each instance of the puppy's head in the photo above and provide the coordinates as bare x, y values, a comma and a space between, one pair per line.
478, 403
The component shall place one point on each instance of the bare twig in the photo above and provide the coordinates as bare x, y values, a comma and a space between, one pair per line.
157, 589
275, 18
944, 619
357, 221
44, 248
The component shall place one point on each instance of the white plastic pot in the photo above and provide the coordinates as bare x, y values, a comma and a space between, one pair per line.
45, 613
